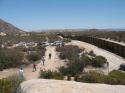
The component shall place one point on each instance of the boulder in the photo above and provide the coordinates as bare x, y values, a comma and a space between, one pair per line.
61, 86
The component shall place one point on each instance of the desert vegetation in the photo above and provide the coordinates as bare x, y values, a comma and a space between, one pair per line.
114, 78
10, 58
10, 84
100, 33
51, 75
29, 37
114, 35
78, 59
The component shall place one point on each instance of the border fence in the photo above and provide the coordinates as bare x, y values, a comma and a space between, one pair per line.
107, 45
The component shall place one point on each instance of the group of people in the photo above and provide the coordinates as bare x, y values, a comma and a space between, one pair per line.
21, 72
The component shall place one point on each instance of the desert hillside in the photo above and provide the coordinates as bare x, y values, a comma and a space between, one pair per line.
9, 29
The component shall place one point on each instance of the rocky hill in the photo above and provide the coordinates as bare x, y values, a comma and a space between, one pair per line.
58, 86
9, 29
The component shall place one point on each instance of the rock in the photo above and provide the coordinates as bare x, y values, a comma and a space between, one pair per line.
60, 86
72, 78
65, 77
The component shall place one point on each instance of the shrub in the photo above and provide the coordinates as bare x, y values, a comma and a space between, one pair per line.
41, 49
73, 69
10, 84
68, 51
34, 57
86, 60
57, 75
115, 78
92, 77
46, 74
21, 48
62, 56
99, 61
91, 53
64, 70
10, 58
75, 65
15, 81
51, 75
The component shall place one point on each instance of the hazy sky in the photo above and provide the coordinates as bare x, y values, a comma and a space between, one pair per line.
56, 14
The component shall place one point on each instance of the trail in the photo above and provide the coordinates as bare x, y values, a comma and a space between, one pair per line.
54, 63
50, 64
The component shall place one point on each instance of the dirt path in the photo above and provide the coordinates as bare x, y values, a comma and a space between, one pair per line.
54, 63
27, 72
113, 59
50, 64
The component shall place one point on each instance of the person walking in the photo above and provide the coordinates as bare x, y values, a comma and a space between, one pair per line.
34, 67
21, 72
43, 61
50, 55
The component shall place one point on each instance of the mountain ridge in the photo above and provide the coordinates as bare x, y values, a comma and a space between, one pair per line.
9, 28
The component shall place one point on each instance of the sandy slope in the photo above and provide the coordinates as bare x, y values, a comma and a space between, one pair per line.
58, 86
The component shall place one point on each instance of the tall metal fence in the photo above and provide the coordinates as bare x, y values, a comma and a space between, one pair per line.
107, 45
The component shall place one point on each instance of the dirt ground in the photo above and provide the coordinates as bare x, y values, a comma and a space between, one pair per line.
50, 64
54, 63
113, 59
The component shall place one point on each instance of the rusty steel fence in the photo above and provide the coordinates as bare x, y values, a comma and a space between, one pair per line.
107, 45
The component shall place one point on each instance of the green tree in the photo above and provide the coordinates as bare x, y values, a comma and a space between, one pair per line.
99, 61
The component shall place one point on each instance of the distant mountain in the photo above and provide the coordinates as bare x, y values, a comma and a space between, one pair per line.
77, 30
9, 29
59, 30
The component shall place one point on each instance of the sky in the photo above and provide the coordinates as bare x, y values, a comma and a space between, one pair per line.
63, 14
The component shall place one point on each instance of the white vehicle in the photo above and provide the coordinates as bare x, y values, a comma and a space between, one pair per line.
45, 44
51, 44
58, 43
